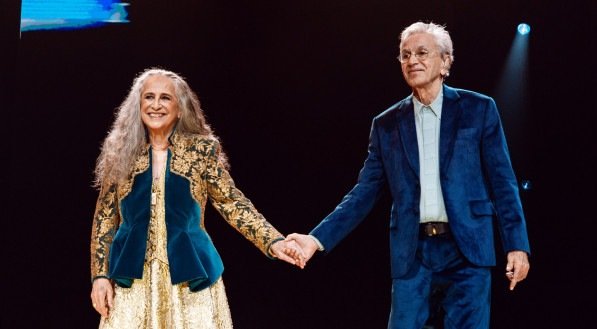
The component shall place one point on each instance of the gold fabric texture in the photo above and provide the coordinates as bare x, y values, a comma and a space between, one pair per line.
197, 159
157, 235
153, 302
105, 223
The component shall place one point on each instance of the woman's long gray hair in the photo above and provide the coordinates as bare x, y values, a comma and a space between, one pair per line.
127, 138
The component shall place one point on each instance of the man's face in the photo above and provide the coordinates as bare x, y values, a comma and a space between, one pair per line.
421, 61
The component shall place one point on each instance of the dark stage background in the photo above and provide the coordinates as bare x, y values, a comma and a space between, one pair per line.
291, 88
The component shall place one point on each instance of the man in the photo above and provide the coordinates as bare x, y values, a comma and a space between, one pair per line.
442, 153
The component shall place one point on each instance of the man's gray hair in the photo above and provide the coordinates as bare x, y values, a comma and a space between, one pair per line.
441, 35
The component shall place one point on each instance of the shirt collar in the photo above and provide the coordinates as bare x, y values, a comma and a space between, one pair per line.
436, 105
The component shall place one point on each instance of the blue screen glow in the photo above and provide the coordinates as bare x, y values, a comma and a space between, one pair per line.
70, 14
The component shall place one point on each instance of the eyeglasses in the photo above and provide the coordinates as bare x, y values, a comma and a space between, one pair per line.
420, 55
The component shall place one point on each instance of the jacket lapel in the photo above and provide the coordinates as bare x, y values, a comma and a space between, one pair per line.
141, 164
451, 113
408, 133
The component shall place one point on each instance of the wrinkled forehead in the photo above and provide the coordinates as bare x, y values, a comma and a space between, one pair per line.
419, 40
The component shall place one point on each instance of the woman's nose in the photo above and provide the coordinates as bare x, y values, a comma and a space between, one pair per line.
156, 104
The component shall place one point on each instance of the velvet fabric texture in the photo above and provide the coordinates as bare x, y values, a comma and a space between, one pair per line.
478, 187
191, 255
441, 276
476, 176
195, 174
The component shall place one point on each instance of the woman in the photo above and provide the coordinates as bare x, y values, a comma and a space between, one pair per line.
152, 263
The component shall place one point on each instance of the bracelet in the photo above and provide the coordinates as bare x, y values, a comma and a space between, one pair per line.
269, 249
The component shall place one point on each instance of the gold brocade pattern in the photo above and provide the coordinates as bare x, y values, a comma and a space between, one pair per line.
105, 223
153, 302
157, 235
210, 179
197, 159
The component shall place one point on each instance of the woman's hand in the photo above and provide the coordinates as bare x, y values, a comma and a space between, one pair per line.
306, 242
102, 296
288, 251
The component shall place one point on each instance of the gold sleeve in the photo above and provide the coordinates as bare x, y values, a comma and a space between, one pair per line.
235, 207
105, 223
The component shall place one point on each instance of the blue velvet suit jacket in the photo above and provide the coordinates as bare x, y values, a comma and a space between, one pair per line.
476, 177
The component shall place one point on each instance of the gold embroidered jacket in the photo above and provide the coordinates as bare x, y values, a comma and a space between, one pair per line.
119, 233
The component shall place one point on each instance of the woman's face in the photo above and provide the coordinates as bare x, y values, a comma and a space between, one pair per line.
159, 105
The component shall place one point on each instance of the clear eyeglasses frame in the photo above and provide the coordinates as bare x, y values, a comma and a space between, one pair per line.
420, 55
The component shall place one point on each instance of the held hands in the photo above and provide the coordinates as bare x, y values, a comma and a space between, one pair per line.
102, 296
296, 249
517, 267
306, 242
288, 251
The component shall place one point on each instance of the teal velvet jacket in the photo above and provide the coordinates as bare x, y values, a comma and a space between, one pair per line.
194, 174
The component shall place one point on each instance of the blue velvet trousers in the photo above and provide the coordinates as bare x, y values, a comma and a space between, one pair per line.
464, 289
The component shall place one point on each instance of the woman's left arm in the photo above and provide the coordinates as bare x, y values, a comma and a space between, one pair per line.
238, 210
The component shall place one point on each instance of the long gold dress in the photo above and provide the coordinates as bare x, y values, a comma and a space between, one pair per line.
153, 302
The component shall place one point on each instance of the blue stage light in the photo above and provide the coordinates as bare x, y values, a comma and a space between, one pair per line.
524, 28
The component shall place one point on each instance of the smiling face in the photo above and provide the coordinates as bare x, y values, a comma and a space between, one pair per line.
159, 105
423, 73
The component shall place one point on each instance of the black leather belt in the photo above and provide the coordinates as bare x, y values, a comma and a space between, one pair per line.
431, 229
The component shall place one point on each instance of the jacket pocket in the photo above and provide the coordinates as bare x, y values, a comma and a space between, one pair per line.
481, 208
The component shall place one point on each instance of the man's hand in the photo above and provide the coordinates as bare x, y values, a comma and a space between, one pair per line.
288, 251
306, 242
517, 267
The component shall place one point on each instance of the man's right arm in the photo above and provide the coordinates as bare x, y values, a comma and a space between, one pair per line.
353, 208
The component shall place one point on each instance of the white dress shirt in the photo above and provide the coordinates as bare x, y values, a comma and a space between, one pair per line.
427, 121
